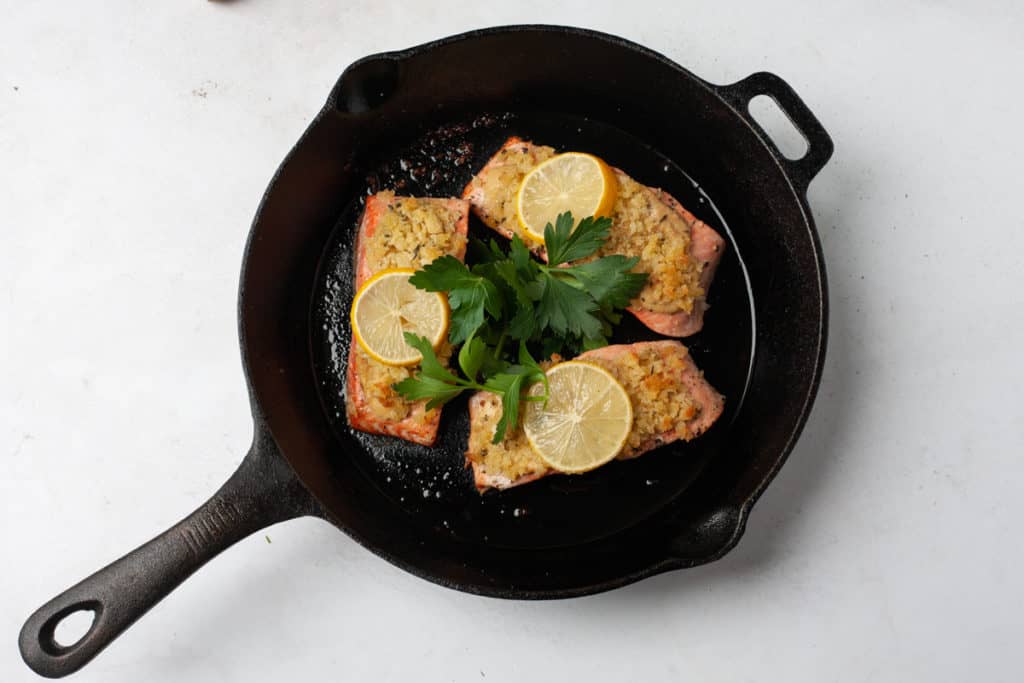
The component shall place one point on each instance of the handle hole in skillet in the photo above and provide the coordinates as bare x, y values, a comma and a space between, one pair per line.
69, 627
366, 85
779, 127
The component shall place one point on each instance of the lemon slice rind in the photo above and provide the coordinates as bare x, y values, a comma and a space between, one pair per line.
585, 422
576, 182
386, 307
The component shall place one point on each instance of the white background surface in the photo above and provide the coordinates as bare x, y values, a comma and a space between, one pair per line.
135, 141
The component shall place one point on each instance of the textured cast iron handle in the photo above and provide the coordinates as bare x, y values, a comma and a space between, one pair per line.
263, 490
819, 144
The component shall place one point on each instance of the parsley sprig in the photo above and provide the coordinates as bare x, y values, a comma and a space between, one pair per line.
508, 300
438, 384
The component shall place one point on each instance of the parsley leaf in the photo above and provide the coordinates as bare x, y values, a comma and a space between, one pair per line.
469, 294
508, 387
485, 252
523, 324
520, 256
433, 382
472, 357
429, 364
609, 281
443, 274
565, 244
566, 309
527, 361
424, 386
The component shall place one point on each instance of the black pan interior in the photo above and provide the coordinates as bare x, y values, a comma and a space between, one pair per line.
432, 485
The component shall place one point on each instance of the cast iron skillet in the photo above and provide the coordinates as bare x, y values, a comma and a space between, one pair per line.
420, 121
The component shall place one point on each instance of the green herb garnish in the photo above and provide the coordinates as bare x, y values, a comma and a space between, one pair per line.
508, 300
439, 385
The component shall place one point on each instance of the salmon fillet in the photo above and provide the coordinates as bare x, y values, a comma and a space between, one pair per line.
671, 401
399, 232
678, 251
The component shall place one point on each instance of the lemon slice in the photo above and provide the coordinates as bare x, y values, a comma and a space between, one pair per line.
575, 182
386, 307
585, 422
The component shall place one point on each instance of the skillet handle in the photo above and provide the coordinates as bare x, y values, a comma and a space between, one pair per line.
819, 144
264, 490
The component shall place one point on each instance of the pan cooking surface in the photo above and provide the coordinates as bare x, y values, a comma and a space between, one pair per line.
432, 484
